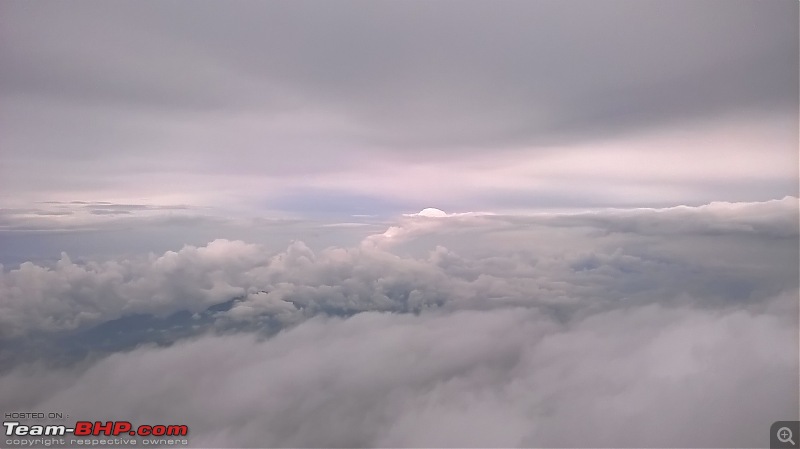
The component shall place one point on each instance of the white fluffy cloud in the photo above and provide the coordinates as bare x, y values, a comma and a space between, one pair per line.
722, 254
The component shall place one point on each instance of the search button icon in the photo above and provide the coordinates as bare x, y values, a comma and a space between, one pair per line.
785, 435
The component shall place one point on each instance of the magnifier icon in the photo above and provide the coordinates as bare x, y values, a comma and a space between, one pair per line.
785, 435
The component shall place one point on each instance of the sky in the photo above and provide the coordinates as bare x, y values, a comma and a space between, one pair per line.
403, 223
375, 107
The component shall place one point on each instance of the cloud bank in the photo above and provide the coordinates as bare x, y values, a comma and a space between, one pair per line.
648, 376
670, 327
606, 250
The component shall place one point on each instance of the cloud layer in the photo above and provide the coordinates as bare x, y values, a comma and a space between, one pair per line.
615, 328
208, 215
474, 106
565, 261
648, 376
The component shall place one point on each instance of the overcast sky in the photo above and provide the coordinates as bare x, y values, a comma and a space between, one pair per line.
215, 213
361, 107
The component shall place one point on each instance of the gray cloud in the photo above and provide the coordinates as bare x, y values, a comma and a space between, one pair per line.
144, 100
727, 254
647, 328
646, 376
207, 216
526, 69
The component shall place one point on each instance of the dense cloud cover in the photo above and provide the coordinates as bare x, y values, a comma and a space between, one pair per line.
643, 376
603, 252
670, 327
364, 106
403, 223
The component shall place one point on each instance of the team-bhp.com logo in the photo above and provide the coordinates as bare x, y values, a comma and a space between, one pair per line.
97, 428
